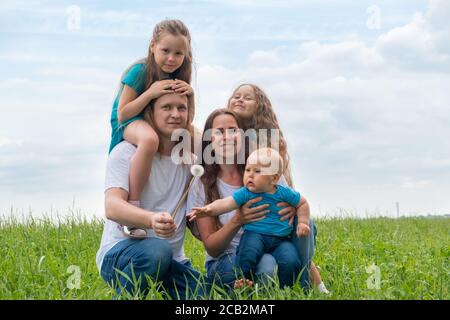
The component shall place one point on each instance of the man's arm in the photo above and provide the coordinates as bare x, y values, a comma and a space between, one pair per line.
119, 210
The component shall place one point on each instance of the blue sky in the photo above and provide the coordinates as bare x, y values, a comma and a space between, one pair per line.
360, 89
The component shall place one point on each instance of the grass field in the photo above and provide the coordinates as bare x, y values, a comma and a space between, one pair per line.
409, 257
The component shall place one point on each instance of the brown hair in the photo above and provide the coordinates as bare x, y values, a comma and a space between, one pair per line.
184, 72
149, 117
209, 178
265, 118
175, 28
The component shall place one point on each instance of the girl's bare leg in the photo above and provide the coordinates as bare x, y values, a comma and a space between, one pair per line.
317, 279
142, 135
315, 275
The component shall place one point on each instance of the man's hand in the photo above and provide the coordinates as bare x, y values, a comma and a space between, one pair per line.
302, 229
163, 225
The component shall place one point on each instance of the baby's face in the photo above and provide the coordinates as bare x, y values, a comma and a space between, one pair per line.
257, 180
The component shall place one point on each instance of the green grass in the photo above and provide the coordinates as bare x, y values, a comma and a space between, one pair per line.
412, 255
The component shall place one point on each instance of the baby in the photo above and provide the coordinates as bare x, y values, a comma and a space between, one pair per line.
262, 172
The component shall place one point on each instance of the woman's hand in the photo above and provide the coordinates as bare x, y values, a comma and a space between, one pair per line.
163, 225
245, 214
182, 87
286, 213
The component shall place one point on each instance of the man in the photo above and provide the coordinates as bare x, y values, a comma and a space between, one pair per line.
161, 255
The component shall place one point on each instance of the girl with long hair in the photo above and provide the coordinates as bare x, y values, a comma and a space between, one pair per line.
255, 111
167, 68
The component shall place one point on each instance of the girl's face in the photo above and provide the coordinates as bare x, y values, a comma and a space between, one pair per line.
243, 102
226, 138
169, 52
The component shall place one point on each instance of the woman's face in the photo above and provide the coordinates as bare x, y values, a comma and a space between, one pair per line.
226, 138
243, 102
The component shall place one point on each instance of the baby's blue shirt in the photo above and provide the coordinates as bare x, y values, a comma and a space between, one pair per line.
271, 224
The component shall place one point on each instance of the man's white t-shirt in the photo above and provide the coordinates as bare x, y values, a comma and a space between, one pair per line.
197, 198
162, 192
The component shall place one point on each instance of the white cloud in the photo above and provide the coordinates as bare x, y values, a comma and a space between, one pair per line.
263, 59
359, 114
366, 122
4, 142
437, 162
437, 14
422, 43
412, 183
354, 54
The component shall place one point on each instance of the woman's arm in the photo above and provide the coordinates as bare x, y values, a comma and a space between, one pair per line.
303, 211
288, 212
215, 239
303, 228
119, 210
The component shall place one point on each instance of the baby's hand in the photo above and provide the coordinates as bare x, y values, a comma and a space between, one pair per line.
302, 229
199, 213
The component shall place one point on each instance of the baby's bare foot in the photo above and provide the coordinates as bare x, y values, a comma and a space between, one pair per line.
238, 284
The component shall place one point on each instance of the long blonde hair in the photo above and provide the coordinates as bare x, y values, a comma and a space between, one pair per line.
265, 118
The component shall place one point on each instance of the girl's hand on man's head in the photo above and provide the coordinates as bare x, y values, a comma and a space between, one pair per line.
161, 87
182, 87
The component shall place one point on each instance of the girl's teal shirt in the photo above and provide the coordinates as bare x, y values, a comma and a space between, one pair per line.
134, 78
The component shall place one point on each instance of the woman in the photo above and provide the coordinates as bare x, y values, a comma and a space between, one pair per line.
161, 255
254, 110
222, 177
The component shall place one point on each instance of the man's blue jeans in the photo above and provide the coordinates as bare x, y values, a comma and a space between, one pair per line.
305, 248
150, 257
253, 246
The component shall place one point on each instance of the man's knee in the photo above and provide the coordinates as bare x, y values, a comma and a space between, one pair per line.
154, 257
